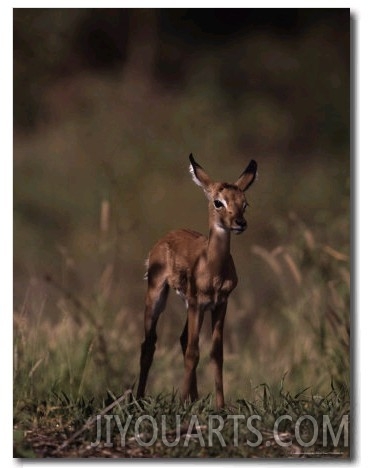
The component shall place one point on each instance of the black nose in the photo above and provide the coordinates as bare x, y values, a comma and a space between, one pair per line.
241, 222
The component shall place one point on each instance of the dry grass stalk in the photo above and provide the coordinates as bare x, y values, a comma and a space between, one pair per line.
268, 258
335, 254
105, 216
295, 272
309, 239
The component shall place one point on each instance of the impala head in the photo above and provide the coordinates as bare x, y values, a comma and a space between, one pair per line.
227, 202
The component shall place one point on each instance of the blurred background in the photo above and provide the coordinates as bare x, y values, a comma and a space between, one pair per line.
108, 104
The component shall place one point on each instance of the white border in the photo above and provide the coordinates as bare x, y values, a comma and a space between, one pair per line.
363, 184
364, 230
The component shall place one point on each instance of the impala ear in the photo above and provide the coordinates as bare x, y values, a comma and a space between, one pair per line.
199, 176
248, 176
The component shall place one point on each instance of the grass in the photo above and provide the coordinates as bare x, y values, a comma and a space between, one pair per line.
69, 369
270, 424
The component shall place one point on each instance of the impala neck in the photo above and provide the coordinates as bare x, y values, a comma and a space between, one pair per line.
218, 248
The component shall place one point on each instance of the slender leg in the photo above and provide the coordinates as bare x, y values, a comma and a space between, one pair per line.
183, 340
155, 304
191, 356
218, 319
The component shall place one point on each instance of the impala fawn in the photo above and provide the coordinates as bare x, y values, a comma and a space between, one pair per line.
201, 270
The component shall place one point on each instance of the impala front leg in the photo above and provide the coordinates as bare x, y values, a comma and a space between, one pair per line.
191, 354
218, 319
183, 341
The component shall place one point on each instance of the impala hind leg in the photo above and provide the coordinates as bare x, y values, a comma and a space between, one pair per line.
155, 303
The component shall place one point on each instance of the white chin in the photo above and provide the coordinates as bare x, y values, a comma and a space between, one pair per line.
237, 231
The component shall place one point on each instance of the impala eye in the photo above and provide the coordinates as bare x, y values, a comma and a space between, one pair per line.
218, 204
